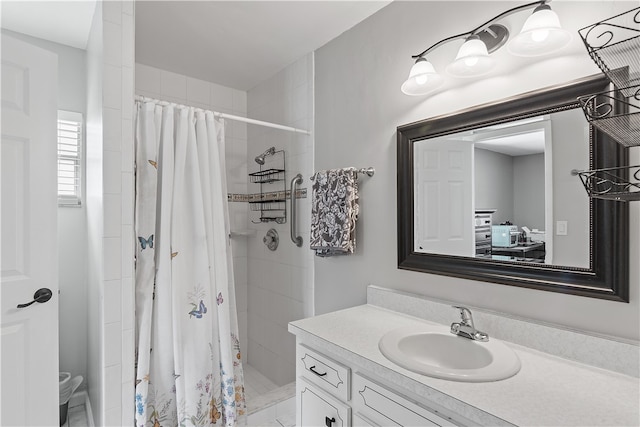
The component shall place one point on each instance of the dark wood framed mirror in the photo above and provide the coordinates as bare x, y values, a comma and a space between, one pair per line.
605, 271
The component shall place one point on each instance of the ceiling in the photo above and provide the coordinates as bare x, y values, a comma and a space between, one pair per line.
239, 43
233, 43
517, 138
519, 144
64, 22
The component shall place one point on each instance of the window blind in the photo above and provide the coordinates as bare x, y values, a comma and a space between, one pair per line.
69, 158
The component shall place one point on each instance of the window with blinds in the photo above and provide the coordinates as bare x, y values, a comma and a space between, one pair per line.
69, 158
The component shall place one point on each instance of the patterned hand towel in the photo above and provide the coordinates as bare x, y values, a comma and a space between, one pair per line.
334, 211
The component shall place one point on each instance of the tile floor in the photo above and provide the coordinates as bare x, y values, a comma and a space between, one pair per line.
281, 414
77, 416
268, 405
255, 384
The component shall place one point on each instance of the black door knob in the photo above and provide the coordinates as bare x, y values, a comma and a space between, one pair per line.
42, 295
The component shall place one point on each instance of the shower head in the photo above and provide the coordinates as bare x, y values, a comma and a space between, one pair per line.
270, 152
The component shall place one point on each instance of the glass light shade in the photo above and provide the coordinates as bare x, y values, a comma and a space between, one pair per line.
541, 34
422, 79
472, 59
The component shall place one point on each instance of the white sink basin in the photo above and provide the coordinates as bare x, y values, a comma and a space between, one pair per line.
434, 351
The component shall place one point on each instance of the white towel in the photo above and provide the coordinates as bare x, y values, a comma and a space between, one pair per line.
334, 211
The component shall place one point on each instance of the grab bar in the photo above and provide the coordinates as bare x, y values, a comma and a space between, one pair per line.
295, 239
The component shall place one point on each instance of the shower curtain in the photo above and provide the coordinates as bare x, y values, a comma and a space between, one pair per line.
188, 369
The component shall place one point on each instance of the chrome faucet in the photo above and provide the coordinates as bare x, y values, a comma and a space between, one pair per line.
466, 328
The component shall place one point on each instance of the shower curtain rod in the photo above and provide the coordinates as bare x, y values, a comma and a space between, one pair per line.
228, 116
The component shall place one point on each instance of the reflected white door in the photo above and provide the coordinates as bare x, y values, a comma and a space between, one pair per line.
444, 181
28, 261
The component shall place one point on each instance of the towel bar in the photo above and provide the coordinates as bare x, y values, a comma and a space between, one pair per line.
370, 171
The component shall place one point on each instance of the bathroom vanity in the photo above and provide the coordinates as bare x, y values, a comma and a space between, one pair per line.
343, 379
330, 393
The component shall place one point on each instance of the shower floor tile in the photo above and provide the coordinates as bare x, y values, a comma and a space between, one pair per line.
256, 384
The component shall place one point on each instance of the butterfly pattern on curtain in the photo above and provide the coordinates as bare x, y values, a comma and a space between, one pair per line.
189, 364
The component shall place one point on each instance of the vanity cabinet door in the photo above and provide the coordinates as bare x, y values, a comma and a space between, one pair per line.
386, 408
317, 409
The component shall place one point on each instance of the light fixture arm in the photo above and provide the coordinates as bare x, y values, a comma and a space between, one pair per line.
481, 27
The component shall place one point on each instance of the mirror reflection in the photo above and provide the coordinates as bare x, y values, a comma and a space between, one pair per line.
505, 192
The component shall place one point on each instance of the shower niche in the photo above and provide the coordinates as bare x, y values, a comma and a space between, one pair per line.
270, 202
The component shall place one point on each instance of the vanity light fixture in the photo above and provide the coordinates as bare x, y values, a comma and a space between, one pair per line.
422, 78
541, 34
472, 59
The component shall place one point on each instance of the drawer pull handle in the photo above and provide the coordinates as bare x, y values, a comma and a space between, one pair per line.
312, 369
328, 421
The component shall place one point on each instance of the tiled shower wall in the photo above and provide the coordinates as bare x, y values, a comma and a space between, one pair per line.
167, 86
280, 283
110, 54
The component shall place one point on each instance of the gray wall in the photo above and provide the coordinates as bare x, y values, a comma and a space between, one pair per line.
72, 222
528, 191
570, 201
494, 184
358, 107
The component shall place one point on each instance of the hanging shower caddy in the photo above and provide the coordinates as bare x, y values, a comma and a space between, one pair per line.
271, 205
614, 45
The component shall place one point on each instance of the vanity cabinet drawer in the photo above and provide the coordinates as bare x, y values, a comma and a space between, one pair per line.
377, 404
324, 372
317, 408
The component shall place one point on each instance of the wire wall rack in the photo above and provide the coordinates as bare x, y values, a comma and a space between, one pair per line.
267, 176
614, 45
619, 183
267, 205
615, 112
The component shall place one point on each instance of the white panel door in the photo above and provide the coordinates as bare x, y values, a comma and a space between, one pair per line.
444, 208
28, 261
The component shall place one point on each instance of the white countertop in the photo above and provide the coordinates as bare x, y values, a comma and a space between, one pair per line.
548, 390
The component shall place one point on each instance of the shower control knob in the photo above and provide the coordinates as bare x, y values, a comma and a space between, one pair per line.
271, 239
